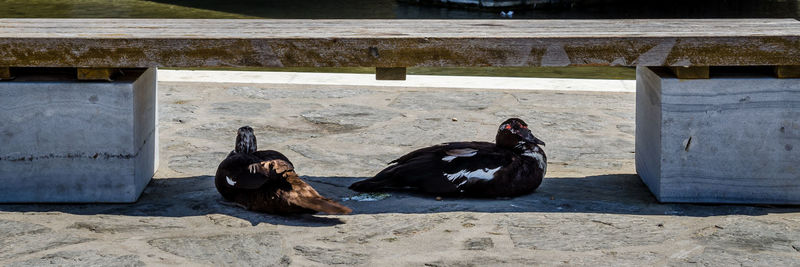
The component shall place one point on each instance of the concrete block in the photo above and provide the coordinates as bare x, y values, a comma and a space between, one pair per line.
728, 139
63, 140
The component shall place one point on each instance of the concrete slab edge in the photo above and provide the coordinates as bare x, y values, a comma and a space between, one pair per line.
426, 81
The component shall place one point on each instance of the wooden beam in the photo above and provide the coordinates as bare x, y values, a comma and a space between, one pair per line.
144, 43
93, 74
5, 73
691, 72
394, 73
787, 71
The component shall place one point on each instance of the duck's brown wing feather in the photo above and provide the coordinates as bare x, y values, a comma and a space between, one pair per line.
266, 155
303, 195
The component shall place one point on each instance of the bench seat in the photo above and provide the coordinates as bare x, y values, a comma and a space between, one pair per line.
675, 149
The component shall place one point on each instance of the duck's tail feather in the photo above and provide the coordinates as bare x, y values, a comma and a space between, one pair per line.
303, 195
414, 172
370, 185
382, 181
322, 204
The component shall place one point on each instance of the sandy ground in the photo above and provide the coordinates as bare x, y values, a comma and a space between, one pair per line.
591, 209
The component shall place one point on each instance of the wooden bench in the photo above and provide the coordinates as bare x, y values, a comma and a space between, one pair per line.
687, 48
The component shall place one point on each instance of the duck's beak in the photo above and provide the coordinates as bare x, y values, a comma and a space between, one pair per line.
528, 137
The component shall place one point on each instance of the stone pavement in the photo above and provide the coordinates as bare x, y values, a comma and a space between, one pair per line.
591, 209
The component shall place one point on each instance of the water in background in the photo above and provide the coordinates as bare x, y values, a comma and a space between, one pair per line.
389, 9
629, 9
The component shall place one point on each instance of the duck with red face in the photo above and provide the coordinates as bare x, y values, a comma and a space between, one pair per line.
514, 165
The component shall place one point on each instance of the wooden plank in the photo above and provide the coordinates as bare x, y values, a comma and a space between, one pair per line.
699, 72
439, 43
5, 73
400, 29
787, 71
394, 73
95, 74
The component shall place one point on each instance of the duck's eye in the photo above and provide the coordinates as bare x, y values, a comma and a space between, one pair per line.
508, 127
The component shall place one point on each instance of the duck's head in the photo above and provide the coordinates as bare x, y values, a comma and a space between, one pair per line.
515, 133
245, 140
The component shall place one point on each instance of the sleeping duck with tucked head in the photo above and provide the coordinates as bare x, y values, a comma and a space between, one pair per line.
265, 181
512, 166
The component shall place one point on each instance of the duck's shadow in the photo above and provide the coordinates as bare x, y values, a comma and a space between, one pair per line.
178, 197
607, 194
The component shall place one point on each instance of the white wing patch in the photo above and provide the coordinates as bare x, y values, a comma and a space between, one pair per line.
538, 156
483, 174
459, 153
230, 182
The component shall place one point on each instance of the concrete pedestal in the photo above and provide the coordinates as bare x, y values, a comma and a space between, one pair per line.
728, 139
63, 140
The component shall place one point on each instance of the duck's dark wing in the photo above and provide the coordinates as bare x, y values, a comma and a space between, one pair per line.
445, 168
470, 171
235, 172
266, 155
441, 149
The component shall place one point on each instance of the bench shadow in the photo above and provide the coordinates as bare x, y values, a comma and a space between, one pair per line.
606, 194
178, 197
